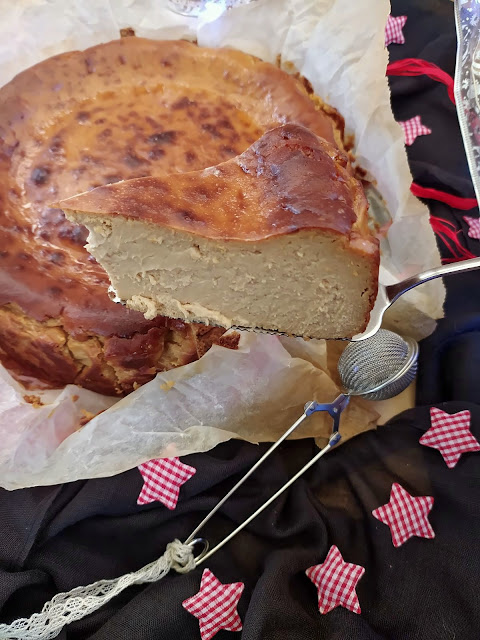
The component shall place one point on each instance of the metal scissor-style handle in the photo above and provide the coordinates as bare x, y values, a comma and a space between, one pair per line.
334, 409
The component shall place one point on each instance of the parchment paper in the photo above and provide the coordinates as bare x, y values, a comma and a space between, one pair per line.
253, 393
257, 392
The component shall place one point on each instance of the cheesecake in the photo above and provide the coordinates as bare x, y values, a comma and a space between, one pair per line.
275, 239
132, 108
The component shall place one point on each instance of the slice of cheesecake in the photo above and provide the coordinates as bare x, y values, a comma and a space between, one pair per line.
275, 238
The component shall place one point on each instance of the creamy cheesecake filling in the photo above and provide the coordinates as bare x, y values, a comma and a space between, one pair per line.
276, 238
307, 283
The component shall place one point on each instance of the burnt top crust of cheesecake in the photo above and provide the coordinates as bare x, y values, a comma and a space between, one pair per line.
237, 244
126, 109
289, 180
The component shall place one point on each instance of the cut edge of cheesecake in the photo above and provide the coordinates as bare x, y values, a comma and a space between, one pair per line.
276, 238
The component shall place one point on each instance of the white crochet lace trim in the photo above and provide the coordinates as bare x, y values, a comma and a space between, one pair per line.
65, 608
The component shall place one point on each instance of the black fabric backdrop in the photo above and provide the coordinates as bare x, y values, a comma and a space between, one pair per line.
53, 539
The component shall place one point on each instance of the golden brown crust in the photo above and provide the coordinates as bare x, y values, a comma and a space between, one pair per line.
111, 365
125, 109
286, 181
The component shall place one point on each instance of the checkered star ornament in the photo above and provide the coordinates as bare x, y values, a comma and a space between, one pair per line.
450, 434
336, 581
406, 515
394, 30
215, 605
413, 128
162, 479
473, 227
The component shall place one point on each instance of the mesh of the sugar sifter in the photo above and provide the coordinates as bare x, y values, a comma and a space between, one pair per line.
379, 367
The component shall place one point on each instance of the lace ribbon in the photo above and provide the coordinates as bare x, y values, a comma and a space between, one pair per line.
73, 605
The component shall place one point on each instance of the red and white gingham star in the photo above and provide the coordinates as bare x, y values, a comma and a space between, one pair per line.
413, 128
215, 605
474, 227
336, 580
406, 515
393, 30
450, 434
162, 479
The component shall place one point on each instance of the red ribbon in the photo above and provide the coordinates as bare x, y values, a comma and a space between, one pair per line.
448, 233
419, 67
457, 202
444, 229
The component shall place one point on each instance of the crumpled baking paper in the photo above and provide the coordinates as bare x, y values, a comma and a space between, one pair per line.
257, 392
253, 393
